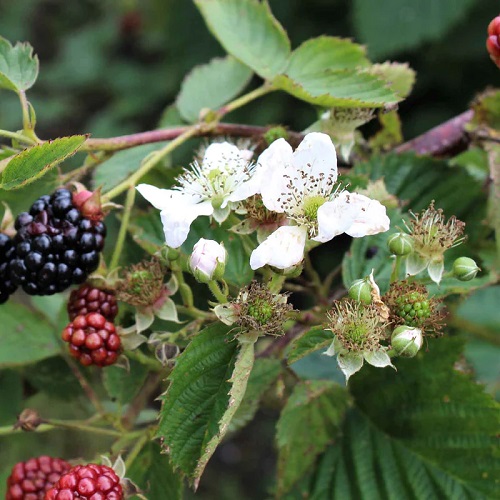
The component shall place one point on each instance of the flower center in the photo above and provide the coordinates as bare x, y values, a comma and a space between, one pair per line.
355, 334
261, 311
311, 206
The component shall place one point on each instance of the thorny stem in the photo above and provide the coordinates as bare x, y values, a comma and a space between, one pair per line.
122, 234
494, 163
396, 269
138, 446
151, 162
217, 292
27, 125
276, 282
245, 99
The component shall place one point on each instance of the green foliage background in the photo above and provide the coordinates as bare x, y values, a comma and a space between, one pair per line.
111, 67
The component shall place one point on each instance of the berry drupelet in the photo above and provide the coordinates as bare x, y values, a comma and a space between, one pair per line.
92, 340
31, 480
55, 245
7, 250
85, 482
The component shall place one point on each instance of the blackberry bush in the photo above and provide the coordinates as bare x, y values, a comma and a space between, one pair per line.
88, 298
7, 287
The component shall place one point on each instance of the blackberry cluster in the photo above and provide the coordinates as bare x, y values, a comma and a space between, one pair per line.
92, 340
6, 252
55, 246
31, 480
92, 481
87, 299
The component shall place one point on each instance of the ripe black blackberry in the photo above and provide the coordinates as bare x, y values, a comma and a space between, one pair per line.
55, 246
6, 252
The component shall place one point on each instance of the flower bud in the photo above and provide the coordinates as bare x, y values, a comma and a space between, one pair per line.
208, 260
361, 291
400, 244
465, 269
406, 341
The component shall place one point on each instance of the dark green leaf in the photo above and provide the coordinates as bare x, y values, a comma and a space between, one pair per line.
249, 32
152, 472
310, 341
481, 308
25, 336
308, 424
390, 26
206, 387
18, 66
11, 396
211, 85
34, 162
426, 431
122, 385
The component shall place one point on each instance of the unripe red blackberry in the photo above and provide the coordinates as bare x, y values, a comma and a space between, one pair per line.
31, 480
88, 299
493, 40
87, 482
55, 246
92, 340
7, 250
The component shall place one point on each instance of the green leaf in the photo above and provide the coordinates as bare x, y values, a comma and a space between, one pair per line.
123, 385
18, 66
264, 374
308, 424
481, 309
34, 162
152, 472
347, 87
147, 231
249, 32
312, 340
399, 76
206, 387
123, 163
325, 53
11, 395
427, 431
25, 337
211, 85
391, 26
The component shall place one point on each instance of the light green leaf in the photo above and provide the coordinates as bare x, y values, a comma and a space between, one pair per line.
25, 337
325, 53
391, 26
399, 76
152, 472
18, 66
480, 309
308, 424
264, 373
211, 85
427, 431
312, 340
36, 161
249, 32
201, 397
347, 87
123, 163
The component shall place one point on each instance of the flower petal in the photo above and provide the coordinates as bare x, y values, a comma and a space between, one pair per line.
168, 311
435, 270
282, 249
336, 347
350, 363
351, 213
159, 198
220, 155
415, 264
379, 358
317, 152
177, 221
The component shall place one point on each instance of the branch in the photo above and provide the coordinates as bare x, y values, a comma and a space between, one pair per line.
448, 137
